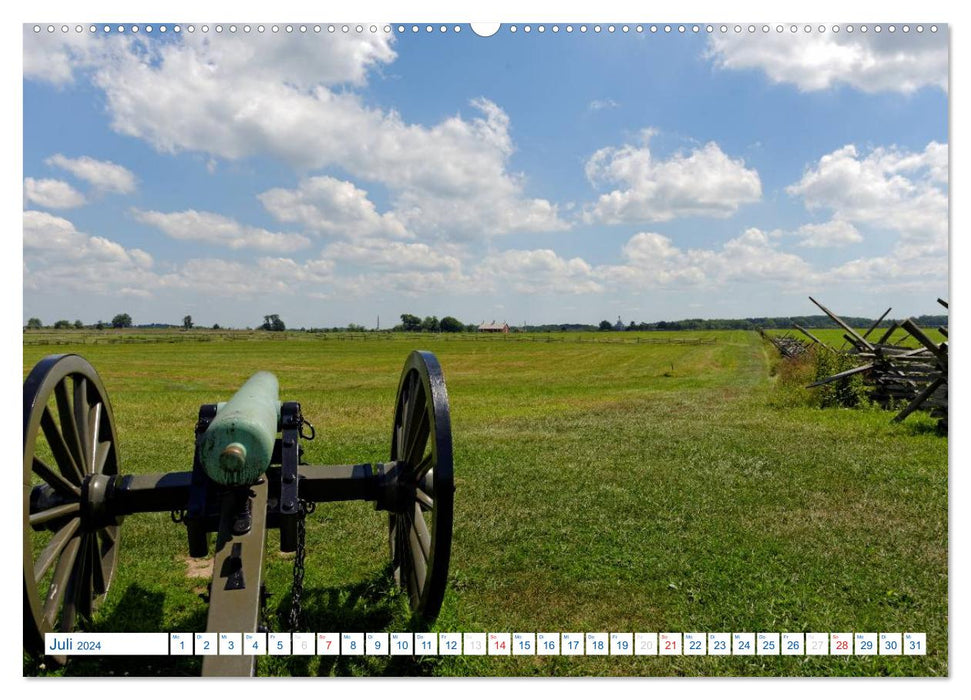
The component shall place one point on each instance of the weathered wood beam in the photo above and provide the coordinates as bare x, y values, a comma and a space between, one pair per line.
812, 337
842, 324
893, 326
841, 375
876, 323
919, 399
940, 351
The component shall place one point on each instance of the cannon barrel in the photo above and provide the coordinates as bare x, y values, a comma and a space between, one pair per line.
237, 447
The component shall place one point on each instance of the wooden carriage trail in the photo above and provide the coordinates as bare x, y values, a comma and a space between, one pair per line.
895, 373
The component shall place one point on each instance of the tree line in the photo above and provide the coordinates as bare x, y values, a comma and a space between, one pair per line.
449, 324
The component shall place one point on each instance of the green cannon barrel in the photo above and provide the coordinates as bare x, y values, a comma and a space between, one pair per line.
237, 447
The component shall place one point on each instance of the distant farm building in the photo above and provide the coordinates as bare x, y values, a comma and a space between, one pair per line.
493, 327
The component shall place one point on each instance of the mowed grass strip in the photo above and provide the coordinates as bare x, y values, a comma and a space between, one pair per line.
600, 487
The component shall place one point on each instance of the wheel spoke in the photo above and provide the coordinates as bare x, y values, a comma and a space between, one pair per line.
419, 563
424, 499
101, 456
54, 548
423, 466
418, 440
69, 426
110, 535
44, 516
83, 577
421, 530
415, 404
403, 555
98, 574
81, 409
62, 455
94, 430
59, 583
55, 480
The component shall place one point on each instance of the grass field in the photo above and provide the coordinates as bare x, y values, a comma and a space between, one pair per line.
601, 486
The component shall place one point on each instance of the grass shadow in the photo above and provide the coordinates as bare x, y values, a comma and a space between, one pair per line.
138, 610
372, 605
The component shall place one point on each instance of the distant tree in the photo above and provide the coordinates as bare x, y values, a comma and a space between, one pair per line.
34, 323
471, 328
410, 322
430, 324
121, 321
78, 324
100, 325
631, 326
606, 325
215, 326
272, 322
187, 322
355, 328
450, 324
62, 324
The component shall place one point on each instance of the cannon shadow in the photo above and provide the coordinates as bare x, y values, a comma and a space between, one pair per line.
372, 605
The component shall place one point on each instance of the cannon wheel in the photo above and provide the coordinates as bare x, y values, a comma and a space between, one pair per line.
421, 528
70, 446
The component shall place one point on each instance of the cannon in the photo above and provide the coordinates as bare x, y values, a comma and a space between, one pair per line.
247, 476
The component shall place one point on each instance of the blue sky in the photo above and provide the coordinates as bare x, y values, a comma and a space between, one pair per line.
539, 178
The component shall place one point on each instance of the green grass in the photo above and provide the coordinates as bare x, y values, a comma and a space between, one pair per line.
601, 486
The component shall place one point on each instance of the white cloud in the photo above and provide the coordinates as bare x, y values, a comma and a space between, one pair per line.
392, 255
208, 227
869, 62
233, 279
705, 182
232, 98
540, 271
652, 261
52, 194
58, 256
889, 189
54, 58
103, 175
831, 234
331, 206
597, 105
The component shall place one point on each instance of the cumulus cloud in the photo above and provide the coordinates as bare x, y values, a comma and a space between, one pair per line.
890, 189
52, 194
57, 255
103, 175
652, 261
235, 279
291, 97
392, 255
331, 206
831, 234
540, 271
869, 62
55, 58
208, 227
704, 182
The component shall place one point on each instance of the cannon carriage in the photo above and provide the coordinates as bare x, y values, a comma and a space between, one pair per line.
247, 477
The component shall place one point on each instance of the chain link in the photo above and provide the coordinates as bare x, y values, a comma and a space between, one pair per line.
296, 592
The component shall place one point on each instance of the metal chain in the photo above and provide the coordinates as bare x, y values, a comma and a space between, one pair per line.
296, 592
264, 613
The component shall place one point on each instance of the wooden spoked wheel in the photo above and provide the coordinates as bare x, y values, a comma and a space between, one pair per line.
70, 457
421, 525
